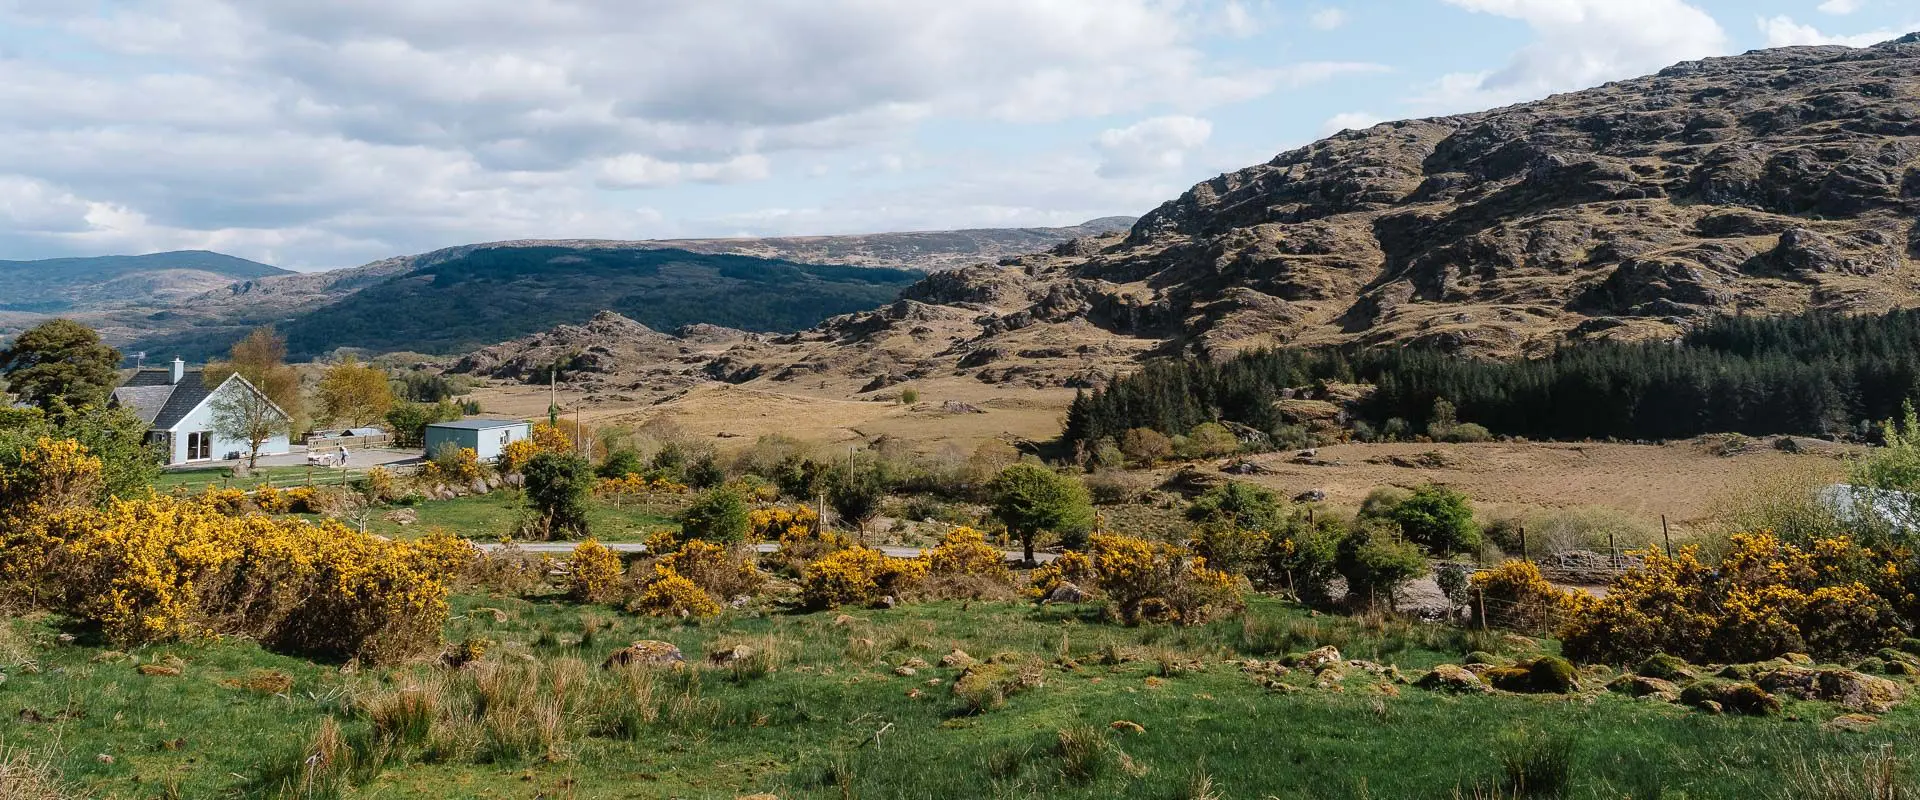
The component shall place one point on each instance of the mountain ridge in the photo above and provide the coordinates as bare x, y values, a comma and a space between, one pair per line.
56, 285
1776, 181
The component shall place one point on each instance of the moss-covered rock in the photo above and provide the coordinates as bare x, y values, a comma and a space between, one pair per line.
1666, 668
1543, 675
1452, 678
1850, 689
1482, 657
1733, 697
1642, 686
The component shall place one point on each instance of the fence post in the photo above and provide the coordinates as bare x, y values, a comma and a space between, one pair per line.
1524, 556
1665, 535
1482, 592
1613, 552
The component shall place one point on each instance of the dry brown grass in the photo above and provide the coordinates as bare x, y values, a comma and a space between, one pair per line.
24, 776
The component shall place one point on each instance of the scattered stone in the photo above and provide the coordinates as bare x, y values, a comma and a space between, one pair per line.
730, 656
1066, 593
1544, 675
1452, 678
958, 659
1313, 660
403, 516
905, 672
103, 758
1740, 698
1311, 496
1852, 723
915, 663
1666, 668
1845, 687
646, 653
1642, 686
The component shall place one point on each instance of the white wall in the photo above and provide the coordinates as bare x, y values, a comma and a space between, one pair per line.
202, 420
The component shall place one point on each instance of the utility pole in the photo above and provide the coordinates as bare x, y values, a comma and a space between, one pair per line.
553, 397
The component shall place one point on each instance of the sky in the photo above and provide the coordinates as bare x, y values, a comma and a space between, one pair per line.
314, 135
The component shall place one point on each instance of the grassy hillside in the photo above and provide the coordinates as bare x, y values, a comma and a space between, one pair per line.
61, 284
494, 294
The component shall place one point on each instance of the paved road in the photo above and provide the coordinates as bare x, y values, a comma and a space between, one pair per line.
636, 547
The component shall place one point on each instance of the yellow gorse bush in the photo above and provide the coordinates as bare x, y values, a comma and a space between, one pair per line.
858, 576
964, 551
463, 468
164, 568
517, 454
1144, 581
633, 484
593, 574
1767, 597
670, 594
1071, 567
549, 438
723, 573
53, 476
775, 524
1515, 595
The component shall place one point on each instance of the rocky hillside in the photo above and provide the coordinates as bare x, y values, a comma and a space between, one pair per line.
1775, 181
59, 285
610, 356
206, 323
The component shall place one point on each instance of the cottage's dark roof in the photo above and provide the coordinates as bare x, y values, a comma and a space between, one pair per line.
146, 401
161, 403
186, 396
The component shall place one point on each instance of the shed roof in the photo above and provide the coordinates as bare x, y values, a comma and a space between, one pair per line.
479, 424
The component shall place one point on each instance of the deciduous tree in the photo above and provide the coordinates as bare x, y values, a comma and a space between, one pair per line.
354, 394
261, 358
1031, 499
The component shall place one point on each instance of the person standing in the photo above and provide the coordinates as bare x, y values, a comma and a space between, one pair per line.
343, 456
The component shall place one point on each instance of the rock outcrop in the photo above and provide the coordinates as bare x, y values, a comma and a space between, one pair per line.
1775, 181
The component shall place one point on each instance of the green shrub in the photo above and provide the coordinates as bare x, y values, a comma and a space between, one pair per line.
1439, 519
705, 472
718, 515
1241, 504
558, 485
621, 463
1377, 562
1381, 502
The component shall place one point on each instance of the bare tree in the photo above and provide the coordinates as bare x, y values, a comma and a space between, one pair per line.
240, 412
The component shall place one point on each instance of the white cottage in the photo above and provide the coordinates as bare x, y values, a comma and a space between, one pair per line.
177, 406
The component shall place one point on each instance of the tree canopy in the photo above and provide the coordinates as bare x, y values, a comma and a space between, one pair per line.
60, 364
1031, 499
352, 393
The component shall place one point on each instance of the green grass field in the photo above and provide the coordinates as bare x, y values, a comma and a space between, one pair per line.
198, 479
831, 719
490, 516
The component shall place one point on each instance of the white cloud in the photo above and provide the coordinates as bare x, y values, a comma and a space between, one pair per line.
1577, 44
1351, 120
1782, 31
1150, 146
636, 171
1237, 21
327, 134
1327, 19
1841, 7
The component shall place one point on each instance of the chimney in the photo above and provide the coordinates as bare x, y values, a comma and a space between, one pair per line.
179, 371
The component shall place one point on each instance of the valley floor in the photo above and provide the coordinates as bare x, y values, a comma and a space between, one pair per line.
1110, 712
